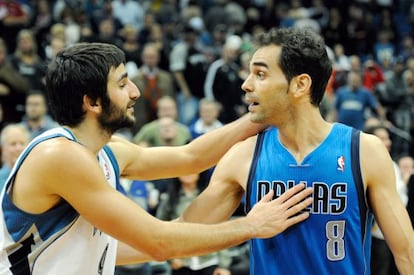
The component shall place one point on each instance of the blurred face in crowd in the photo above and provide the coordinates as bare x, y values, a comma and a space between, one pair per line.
168, 130
167, 108
354, 80
14, 138
26, 43
406, 165
150, 57
36, 107
209, 112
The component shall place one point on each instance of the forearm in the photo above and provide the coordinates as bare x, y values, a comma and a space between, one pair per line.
210, 147
210, 238
188, 240
405, 265
128, 255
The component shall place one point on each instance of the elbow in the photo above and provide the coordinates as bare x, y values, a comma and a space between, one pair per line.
162, 251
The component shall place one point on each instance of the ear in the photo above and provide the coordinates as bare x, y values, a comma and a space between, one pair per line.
301, 84
91, 105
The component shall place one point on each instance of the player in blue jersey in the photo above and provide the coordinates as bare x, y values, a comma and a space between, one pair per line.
351, 172
60, 210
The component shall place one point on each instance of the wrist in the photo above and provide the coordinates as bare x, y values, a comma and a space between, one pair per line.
248, 225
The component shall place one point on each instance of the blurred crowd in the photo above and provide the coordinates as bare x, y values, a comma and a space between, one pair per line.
189, 59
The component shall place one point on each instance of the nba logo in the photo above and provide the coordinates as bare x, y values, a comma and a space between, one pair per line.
341, 164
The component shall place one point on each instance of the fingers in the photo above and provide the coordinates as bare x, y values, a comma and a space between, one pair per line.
295, 195
268, 197
291, 191
296, 219
298, 207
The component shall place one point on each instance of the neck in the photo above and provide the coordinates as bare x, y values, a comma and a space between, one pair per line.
305, 134
91, 136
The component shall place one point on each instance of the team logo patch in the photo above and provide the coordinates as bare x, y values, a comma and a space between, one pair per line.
107, 172
340, 163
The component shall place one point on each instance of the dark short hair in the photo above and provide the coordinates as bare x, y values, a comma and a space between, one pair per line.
78, 70
302, 51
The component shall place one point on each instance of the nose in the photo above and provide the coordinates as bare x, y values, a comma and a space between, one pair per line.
134, 92
246, 86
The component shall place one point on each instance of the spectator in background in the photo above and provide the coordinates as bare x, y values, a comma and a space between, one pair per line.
131, 46
57, 30
128, 12
13, 87
353, 101
41, 21
100, 12
13, 138
384, 50
56, 45
144, 34
14, 16
334, 31
163, 37
223, 82
406, 164
397, 99
181, 191
208, 111
188, 65
149, 134
107, 33
27, 61
154, 83
168, 133
37, 120
407, 47
340, 68
373, 75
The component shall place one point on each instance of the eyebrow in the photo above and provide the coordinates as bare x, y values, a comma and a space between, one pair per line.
124, 75
260, 64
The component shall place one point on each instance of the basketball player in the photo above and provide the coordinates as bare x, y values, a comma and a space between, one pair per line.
351, 172
60, 210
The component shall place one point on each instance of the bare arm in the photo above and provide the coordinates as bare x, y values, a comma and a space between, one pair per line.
78, 179
166, 162
226, 188
386, 204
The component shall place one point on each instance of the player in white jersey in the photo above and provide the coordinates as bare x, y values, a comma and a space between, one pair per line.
60, 210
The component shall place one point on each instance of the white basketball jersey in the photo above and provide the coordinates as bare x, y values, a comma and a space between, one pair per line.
58, 241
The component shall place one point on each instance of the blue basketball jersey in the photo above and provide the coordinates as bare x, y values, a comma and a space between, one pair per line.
59, 241
336, 238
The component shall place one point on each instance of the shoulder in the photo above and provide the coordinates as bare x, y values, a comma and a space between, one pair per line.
241, 152
374, 157
234, 166
61, 151
370, 142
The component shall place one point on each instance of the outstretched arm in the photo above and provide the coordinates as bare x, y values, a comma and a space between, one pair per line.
389, 211
266, 219
136, 162
78, 179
